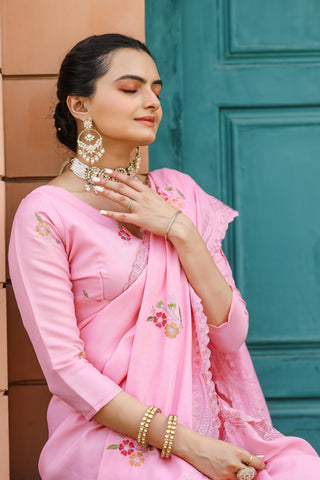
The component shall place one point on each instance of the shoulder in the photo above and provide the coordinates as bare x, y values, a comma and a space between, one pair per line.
169, 178
44, 193
210, 214
43, 202
44, 196
171, 175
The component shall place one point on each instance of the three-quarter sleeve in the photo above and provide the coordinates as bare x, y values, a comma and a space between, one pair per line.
230, 335
215, 217
40, 275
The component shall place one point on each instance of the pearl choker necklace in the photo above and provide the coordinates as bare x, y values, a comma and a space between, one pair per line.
87, 173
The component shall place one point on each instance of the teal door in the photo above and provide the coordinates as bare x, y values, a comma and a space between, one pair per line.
241, 105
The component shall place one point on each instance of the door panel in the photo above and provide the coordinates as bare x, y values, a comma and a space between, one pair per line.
271, 175
242, 116
289, 28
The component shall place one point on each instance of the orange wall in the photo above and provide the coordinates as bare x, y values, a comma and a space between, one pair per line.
35, 37
4, 443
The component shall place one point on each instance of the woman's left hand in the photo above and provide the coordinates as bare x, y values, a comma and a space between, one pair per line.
148, 210
142, 205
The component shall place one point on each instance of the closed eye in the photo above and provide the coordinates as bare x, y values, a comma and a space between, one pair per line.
134, 91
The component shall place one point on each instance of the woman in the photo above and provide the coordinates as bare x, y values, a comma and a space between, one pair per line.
130, 302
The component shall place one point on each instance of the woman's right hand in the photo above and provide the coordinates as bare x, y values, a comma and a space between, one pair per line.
216, 459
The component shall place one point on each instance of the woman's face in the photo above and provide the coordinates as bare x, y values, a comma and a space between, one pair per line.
126, 105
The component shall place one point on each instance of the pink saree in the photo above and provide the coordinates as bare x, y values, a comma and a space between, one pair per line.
151, 340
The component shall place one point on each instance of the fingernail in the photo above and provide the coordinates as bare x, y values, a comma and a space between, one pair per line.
96, 179
99, 189
260, 456
103, 212
108, 170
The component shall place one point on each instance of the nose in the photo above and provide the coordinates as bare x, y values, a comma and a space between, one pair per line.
151, 100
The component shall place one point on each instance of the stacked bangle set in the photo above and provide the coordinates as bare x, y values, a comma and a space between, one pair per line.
144, 425
169, 435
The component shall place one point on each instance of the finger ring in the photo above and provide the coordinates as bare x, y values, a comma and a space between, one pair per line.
246, 473
129, 204
250, 460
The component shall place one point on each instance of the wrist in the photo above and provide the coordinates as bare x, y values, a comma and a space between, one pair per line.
181, 229
184, 442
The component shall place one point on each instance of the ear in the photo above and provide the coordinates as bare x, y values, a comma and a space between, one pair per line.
78, 107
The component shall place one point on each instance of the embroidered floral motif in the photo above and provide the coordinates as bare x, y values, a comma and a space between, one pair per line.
171, 195
175, 203
167, 315
136, 459
124, 234
82, 353
160, 319
128, 448
171, 330
42, 228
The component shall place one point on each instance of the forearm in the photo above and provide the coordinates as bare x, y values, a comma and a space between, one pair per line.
208, 455
124, 413
201, 271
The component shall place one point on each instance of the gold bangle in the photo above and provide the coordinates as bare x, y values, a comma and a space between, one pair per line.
170, 223
144, 425
169, 436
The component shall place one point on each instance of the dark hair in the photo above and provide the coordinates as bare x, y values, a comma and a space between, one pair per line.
81, 68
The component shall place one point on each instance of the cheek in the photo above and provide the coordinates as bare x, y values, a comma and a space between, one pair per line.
117, 106
110, 108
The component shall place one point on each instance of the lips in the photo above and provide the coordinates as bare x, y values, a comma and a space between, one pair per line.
147, 120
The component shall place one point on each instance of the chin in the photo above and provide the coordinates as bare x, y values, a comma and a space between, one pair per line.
146, 143
148, 139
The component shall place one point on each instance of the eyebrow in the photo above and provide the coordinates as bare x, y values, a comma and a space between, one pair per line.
139, 79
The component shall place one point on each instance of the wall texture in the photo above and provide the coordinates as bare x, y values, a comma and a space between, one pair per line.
35, 37
4, 433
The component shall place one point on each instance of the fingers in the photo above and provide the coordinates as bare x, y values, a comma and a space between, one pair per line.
249, 467
116, 191
122, 184
123, 200
118, 216
254, 461
122, 191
